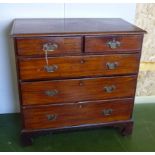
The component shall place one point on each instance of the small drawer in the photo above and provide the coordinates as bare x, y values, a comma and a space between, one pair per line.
51, 45
73, 90
78, 66
119, 43
83, 113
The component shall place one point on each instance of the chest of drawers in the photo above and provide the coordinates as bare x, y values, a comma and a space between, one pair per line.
76, 73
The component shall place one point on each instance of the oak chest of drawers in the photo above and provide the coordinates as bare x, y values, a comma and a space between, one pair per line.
76, 73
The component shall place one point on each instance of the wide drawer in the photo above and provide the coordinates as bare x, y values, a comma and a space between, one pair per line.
78, 66
118, 43
84, 113
51, 45
73, 90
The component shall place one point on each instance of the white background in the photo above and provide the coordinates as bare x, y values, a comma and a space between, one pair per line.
8, 86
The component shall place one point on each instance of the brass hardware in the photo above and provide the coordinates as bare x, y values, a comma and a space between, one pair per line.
51, 68
51, 117
50, 47
112, 65
107, 112
51, 92
109, 89
113, 44
82, 61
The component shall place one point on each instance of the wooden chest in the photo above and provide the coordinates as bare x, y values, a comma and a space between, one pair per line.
76, 73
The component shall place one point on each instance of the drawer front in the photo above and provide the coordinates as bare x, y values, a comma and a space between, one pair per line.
130, 43
78, 66
84, 113
53, 45
64, 91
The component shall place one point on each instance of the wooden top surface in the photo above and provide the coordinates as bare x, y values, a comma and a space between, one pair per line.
32, 27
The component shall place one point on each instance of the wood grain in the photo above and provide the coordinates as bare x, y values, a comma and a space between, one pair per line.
73, 90
34, 46
99, 43
72, 26
78, 66
77, 114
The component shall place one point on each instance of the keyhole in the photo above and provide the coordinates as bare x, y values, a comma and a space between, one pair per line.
81, 83
82, 61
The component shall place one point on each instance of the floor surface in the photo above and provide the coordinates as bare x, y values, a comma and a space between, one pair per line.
105, 139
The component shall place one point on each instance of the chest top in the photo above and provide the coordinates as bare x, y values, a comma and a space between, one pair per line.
45, 27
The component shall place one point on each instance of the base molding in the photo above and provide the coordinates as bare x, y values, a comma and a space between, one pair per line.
124, 127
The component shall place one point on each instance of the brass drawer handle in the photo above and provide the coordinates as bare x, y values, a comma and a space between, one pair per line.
51, 92
109, 89
112, 65
51, 117
113, 44
107, 112
50, 47
51, 68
